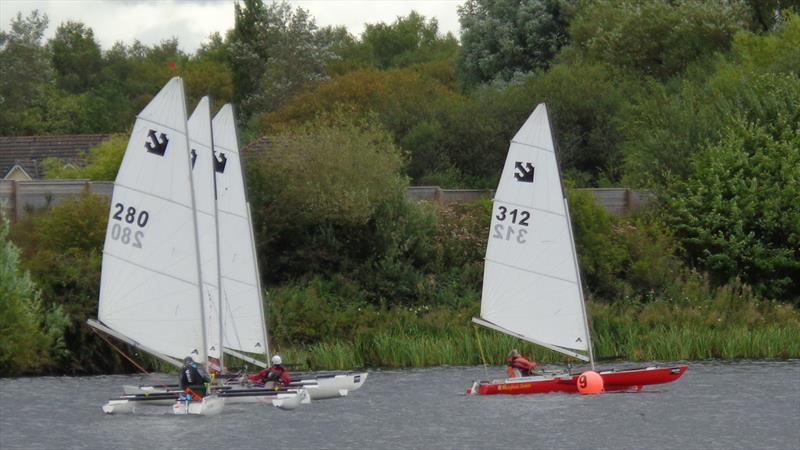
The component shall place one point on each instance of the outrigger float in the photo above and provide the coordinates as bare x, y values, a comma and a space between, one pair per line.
531, 282
287, 399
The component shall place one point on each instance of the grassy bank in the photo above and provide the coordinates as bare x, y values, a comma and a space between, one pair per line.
725, 327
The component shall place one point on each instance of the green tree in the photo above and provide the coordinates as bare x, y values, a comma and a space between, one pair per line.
655, 37
409, 40
766, 15
315, 191
62, 249
275, 52
737, 214
25, 343
503, 38
24, 74
665, 126
410, 104
76, 57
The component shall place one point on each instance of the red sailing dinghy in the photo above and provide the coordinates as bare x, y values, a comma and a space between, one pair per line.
531, 282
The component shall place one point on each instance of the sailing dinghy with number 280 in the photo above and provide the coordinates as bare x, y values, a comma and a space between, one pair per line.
243, 322
151, 287
203, 249
531, 283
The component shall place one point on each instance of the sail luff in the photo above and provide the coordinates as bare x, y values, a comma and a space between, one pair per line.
242, 305
572, 242
258, 284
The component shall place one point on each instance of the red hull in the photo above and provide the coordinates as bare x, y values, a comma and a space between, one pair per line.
613, 380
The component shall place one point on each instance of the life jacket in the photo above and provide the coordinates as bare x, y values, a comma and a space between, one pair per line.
274, 373
280, 374
190, 376
520, 365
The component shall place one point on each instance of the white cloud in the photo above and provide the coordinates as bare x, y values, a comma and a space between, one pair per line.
192, 21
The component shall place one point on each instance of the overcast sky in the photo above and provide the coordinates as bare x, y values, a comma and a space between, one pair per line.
191, 21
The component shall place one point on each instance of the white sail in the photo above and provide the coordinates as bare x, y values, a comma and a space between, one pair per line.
244, 327
531, 284
200, 143
150, 285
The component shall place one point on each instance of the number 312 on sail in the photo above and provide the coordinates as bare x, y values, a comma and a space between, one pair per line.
506, 231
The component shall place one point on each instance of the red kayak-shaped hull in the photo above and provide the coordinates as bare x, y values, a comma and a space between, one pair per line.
613, 380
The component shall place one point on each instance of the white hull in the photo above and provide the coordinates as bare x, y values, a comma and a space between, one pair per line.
337, 386
209, 406
121, 407
283, 400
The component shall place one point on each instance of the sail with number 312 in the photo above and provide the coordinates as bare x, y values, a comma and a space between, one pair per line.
531, 282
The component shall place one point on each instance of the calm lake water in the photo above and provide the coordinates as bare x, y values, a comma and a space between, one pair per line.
714, 405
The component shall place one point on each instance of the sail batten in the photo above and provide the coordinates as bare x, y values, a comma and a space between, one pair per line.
531, 284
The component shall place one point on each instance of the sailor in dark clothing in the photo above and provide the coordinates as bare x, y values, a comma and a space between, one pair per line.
193, 378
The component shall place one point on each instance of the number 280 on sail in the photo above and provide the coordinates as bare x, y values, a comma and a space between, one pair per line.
121, 232
505, 218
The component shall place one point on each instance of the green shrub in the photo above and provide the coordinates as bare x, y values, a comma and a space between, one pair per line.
25, 343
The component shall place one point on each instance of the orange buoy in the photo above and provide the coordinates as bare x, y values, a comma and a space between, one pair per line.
590, 382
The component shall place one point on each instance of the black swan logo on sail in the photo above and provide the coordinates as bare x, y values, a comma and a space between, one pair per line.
194, 157
524, 173
220, 162
158, 146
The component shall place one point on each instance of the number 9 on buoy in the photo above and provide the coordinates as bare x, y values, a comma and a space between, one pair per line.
590, 382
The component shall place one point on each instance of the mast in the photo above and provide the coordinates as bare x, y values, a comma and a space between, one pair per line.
221, 312
572, 242
204, 353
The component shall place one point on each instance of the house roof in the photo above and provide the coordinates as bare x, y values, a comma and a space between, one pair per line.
29, 151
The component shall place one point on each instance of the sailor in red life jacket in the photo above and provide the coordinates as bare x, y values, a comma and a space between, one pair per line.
518, 365
275, 376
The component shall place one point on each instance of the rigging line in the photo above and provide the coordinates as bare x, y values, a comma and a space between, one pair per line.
121, 352
480, 349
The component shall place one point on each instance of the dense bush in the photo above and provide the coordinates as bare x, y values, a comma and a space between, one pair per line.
25, 344
62, 250
737, 214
